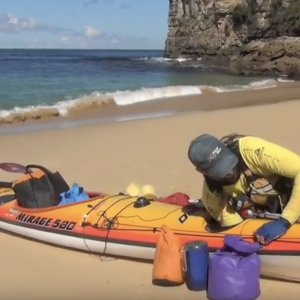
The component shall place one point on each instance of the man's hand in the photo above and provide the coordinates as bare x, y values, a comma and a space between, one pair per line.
271, 231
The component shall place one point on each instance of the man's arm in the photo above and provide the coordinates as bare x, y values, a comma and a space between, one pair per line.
219, 209
281, 161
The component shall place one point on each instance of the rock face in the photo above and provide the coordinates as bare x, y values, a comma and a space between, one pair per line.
258, 36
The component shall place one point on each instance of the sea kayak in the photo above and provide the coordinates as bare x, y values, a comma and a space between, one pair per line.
126, 226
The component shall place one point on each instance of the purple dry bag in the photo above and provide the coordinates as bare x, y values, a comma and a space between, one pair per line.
234, 271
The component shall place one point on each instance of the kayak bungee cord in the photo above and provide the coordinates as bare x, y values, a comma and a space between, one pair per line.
110, 222
102, 201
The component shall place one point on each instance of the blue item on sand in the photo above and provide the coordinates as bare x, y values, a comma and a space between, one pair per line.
196, 259
75, 194
234, 271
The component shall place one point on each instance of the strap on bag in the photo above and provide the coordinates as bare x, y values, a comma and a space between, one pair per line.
45, 170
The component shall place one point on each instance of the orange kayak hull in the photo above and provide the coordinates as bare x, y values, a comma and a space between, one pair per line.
115, 225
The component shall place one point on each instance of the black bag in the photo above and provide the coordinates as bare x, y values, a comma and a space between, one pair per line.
40, 188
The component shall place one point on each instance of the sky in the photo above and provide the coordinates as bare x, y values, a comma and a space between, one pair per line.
84, 24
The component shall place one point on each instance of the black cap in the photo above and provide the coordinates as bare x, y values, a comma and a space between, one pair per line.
211, 156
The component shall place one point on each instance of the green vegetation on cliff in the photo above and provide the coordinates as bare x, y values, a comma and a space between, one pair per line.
285, 19
243, 13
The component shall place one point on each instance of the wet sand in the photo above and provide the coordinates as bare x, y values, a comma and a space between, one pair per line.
107, 157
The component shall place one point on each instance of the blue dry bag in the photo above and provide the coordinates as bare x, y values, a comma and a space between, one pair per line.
75, 194
196, 259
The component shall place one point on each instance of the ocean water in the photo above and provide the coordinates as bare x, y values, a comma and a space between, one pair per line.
37, 83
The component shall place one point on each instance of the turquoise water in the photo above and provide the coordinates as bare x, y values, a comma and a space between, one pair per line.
45, 77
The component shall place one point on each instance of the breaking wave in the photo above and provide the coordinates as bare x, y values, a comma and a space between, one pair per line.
163, 59
118, 98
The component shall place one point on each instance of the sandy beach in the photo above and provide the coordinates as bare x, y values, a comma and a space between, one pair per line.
108, 157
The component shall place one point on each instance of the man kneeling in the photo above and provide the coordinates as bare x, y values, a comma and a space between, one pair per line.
241, 171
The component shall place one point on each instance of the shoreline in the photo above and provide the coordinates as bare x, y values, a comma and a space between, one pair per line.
163, 107
90, 101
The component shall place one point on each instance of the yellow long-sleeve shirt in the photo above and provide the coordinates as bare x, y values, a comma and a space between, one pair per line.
262, 158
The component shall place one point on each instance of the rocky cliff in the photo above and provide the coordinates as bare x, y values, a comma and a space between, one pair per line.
245, 35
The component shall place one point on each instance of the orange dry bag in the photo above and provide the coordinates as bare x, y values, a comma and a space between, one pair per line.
167, 266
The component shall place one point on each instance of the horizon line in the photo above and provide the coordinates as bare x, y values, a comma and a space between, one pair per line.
86, 49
